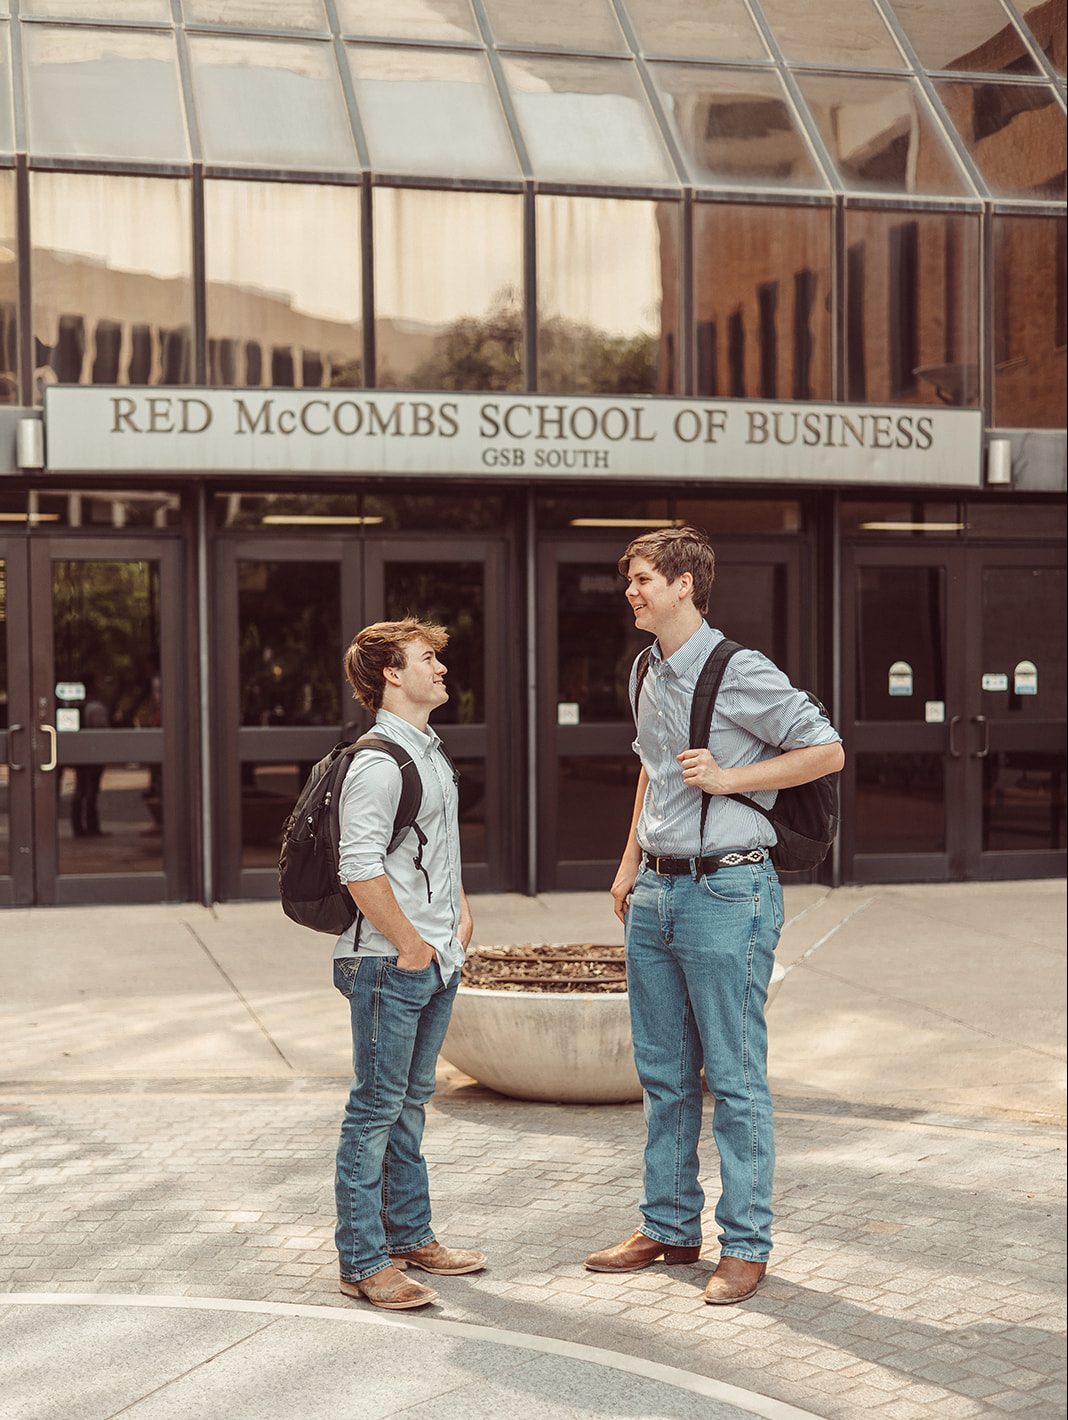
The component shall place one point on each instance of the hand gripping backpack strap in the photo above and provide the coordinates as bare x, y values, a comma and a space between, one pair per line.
705, 694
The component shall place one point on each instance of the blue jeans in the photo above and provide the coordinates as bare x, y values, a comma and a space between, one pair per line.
699, 959
399, 1020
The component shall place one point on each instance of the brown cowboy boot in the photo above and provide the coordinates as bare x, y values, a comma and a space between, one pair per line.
390, 1290
734, 1280
442, 1261
637, 1252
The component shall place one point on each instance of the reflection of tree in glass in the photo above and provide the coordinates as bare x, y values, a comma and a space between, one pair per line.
289, 653
106, 624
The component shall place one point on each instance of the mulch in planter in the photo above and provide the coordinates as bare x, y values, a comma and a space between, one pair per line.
563, 966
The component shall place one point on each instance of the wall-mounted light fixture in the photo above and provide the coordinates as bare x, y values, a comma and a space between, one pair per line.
29, 444
999, 463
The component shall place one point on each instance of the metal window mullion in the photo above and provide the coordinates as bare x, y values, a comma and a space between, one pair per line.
687, 300
956, 144
652, 94
1031, 43
24, 257
530, 287
185, 79
987, 316
839, 329
200, 280
807, 125
504, 94
348, 88
367, 283
18, 87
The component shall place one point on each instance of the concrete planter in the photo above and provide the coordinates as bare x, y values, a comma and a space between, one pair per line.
564, 1047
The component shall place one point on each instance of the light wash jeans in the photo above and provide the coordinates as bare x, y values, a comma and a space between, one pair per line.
699, 959
399, 1020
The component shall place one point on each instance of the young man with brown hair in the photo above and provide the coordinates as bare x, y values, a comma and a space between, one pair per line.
399, 966
703, 917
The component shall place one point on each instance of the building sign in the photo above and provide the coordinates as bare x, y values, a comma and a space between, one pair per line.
111, 430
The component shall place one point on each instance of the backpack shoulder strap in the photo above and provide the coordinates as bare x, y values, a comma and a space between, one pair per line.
411, 796
705, 694
641, 671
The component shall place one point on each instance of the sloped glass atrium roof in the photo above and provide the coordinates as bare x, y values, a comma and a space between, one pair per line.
953, 100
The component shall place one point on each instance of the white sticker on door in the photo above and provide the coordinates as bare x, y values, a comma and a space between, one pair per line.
567, 712
934, 712
67, 719
995, 680
899, 679
1025, 678
70, 690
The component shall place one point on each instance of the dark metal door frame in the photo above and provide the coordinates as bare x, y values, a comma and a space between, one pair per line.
166, 746
486, 741
616, 738
17, 885
962, 740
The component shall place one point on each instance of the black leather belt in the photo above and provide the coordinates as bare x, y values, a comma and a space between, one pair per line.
699, 867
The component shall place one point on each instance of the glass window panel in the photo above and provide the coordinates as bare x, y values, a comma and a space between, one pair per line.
110, 819
596, 638
271, 14
912, 307
429, 112
100, 10
90, 508
629, 515
1046, 521
289, 629
1024, 801
1046, 21
427, 512
409, 19
882, 135
587, 119
762, 301
735, 127
973, 35
846, 32
716, 29
112, 279
271, 103
9, 336
283, 274
268, 793
556, 24
1023, 620
754, 516
1015, 134
900, 804
608, 298
900, 617
7, 120
1029, 322
106, 629
915, 519
448, 289
595, 801
454, 595
94, 93
472, 809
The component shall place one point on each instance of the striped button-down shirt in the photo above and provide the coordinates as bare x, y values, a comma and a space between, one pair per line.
758, 713
369, 799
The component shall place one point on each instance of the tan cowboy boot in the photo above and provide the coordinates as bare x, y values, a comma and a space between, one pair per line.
441, 1261
637, 1252
734, 1280
390, 1290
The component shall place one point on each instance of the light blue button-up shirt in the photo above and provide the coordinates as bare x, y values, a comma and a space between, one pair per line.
758, 713
368, 805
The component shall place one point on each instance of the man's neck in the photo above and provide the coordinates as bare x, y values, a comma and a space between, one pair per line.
681, 628
415, 715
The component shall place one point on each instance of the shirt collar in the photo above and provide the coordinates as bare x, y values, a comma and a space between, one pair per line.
696, 649
405, 733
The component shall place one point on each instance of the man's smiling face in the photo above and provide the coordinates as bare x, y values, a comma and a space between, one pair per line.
653, 599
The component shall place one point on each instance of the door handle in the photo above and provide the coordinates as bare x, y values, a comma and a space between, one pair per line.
12, 731
50, 730
982, 720
953, 750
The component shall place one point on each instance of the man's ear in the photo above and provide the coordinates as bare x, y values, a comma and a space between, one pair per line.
684, 585
390, 676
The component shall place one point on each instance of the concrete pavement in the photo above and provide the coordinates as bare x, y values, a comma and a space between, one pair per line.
172, 1081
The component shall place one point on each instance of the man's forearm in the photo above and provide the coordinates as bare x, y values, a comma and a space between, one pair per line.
795, 766
376, 900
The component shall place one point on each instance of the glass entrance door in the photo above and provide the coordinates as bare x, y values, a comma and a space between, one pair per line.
288, 608
16, 779
104, 754
954, 714
587, 643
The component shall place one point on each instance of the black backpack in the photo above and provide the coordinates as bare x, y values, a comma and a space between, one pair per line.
308, 865
805, 818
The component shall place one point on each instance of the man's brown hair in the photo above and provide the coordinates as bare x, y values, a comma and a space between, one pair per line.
673, 551
386, 644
